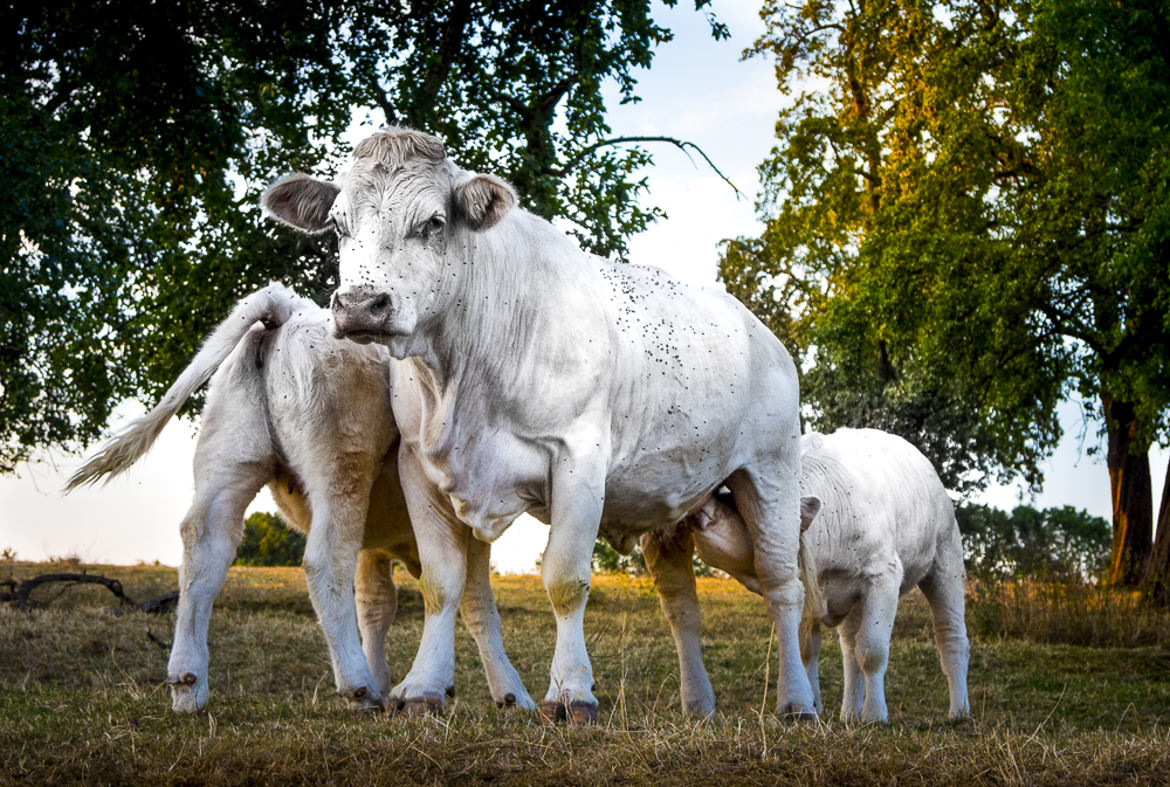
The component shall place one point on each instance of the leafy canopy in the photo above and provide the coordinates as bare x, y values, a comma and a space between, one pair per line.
138, 135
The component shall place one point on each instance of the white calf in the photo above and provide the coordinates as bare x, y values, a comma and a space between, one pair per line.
309, 415
878, 523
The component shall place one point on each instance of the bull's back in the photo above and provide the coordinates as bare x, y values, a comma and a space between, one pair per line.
699, 388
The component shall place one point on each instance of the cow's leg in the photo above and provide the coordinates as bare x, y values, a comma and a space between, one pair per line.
945, 591
853, 695
879, 605
669, 561
483, 620
769, 502
211, 531
442, 552
810, 651
377, 602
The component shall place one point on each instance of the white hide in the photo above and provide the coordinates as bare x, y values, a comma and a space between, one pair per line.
885, 525
292, 407
601, 397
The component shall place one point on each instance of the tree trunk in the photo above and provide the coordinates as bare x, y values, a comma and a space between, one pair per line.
1157, 579
1129, 486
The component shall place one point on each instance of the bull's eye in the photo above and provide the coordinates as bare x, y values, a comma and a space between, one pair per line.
338, 227
434, 224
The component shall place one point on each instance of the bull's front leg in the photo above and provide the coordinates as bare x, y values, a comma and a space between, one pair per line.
442, 551
577, 497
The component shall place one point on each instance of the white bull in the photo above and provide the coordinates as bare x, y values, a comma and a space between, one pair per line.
292, 407
880, 523
602, 398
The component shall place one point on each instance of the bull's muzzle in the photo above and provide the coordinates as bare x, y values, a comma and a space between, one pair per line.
360, 315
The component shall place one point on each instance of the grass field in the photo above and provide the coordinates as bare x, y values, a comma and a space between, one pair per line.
1066, 688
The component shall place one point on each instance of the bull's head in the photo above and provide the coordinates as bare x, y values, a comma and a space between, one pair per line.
402, 214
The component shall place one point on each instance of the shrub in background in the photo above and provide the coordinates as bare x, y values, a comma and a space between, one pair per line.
268, 541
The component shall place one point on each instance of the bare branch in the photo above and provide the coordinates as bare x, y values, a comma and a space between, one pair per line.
681, 144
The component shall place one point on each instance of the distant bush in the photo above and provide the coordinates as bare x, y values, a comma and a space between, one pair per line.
607, 560
1056, 544
268, 541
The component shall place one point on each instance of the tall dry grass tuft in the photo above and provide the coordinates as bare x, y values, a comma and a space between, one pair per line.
1068, 613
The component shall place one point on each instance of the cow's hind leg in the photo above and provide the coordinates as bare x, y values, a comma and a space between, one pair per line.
945, 590
211, 531
669, 560
811, 636
483, 620
769, 503
376, 597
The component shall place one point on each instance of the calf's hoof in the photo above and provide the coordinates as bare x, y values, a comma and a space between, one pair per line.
576, 712
798, 713
418, 706
188, 693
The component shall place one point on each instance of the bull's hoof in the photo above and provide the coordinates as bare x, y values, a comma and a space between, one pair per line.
418, 706
509, 701
557, 711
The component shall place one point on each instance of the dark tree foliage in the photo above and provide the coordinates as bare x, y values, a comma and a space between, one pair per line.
968, 219
268, 541
138, 134
1057, 544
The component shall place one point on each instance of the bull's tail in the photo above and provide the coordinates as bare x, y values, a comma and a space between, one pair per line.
271, 306
813, 598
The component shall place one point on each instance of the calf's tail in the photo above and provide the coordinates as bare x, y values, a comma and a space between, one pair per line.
813, 599
271, 306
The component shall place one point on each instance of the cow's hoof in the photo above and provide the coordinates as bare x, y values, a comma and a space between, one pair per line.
512, 700
556, 711
418, 706
364, 699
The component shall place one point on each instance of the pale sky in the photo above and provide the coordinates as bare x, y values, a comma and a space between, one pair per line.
697, 90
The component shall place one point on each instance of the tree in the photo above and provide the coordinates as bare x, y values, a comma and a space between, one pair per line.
972, 219
268, 541
138, 136
1056, 544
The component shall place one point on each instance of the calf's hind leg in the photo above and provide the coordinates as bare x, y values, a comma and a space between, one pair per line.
211, 531
945, 591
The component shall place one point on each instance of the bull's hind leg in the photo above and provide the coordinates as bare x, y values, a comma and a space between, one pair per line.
853, 696
376, 597
483, 620
211, 531
945, 590
769, 502
669, 560
810, 651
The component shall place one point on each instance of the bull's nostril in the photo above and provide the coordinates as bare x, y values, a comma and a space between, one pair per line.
380, 303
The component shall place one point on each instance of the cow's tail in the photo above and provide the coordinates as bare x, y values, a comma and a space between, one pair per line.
813, 598
271, 306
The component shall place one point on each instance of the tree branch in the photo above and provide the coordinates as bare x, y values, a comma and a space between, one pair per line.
681, 144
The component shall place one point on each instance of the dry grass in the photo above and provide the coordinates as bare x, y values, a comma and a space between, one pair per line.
82, 698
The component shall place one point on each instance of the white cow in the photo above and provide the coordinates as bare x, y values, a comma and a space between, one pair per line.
881, 523
292, 407
602, 398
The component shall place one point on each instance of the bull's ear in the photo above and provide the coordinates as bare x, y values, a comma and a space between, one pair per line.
483, 200
810, 506
301, 202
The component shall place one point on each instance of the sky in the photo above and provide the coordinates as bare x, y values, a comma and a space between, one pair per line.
698, 90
